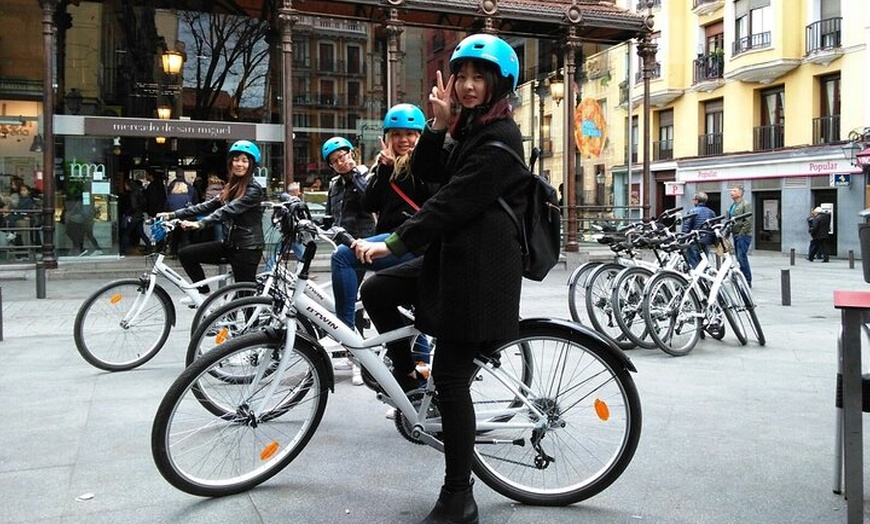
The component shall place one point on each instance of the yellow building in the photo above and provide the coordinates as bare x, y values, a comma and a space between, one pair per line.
758, 93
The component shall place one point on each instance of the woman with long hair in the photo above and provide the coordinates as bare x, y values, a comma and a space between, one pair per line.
237, 207
469, 284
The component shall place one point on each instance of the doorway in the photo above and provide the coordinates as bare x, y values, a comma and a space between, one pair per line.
767, 220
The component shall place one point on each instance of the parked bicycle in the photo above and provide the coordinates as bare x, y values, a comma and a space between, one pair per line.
558, 414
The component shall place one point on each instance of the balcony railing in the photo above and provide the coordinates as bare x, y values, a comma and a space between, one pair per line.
767, 138
710, 144
663, 150
696, 3
710, 67
756, 41
824, 34
655, 73
633, 152
341, 67
826, 129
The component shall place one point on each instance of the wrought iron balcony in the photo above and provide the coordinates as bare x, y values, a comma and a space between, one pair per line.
710, 144
823, 35
709, 67
826, 129
747, 43
768, 138
663, 150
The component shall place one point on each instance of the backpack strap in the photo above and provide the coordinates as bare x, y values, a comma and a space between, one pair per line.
521, 231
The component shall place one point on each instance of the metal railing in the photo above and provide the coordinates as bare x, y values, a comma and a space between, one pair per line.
655, 73
826, 129
709, 67
663, 150
823, 35
767, 138
756, 41
710, 144
21, 236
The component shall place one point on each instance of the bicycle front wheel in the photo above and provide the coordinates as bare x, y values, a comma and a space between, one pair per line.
577, 283
220, 298
256, 436
115, 329
748, 308
592, 418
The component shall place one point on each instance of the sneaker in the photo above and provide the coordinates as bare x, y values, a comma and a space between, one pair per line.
342, 364
187, 301
391, 414
357, 379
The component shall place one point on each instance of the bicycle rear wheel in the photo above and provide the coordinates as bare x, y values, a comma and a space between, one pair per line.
592, 426
108, 340
673, 313
211, 456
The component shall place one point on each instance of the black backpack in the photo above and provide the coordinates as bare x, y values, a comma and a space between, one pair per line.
540, 231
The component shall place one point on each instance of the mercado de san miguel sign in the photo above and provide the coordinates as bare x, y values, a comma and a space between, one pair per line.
142, 127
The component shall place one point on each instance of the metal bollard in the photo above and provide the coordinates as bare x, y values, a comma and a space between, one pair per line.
785, 282
851, 259
40, 279
791, 257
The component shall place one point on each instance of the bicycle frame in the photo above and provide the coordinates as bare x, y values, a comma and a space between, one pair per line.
365, 350
162, 269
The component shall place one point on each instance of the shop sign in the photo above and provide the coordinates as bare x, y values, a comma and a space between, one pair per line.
840, 180
139, 127
83, 171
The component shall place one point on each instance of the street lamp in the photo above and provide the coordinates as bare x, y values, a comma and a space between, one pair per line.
557, 88
164, 112
857, 149
172, 61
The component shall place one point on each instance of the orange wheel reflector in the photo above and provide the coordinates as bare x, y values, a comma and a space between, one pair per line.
602, 410
115, 299
221, 336
269, 451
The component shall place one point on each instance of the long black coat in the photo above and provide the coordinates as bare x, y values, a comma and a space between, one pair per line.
472, 269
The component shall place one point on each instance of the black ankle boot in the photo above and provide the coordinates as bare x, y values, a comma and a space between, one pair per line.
453, 507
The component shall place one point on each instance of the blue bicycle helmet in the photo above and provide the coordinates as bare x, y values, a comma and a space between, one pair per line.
405, 116
245, 146
488, 48
334, 144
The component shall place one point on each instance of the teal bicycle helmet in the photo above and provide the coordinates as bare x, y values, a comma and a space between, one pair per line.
245, 146
405, 116
334, 144
488, 48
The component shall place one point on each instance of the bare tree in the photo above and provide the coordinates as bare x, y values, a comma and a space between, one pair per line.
237, 64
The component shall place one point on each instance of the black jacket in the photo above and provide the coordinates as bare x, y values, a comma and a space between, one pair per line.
344, 203
820, 226
243, 217
472, 269
392, 210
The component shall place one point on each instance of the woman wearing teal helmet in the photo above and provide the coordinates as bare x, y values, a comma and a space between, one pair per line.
468, 289
237, 207
392, 194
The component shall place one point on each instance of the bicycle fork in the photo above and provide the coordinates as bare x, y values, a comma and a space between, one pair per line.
141, 299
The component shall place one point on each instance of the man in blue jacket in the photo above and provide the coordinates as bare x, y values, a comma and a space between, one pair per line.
697, 216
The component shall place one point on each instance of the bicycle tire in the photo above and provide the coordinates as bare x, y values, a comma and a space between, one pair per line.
673, 313
599, 304
577, 292
731, 312
220, 297
594, 418
749, 307
210, 456
106, 341
627, 303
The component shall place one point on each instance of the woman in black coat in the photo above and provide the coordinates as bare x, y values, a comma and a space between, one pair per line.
471, 277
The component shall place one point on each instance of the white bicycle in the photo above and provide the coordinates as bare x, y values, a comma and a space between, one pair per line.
558, 414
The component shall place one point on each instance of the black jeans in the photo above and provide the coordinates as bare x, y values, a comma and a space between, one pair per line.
381, 296
243, 261
818, 248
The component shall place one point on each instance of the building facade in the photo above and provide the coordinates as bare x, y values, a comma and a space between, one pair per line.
764, 94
